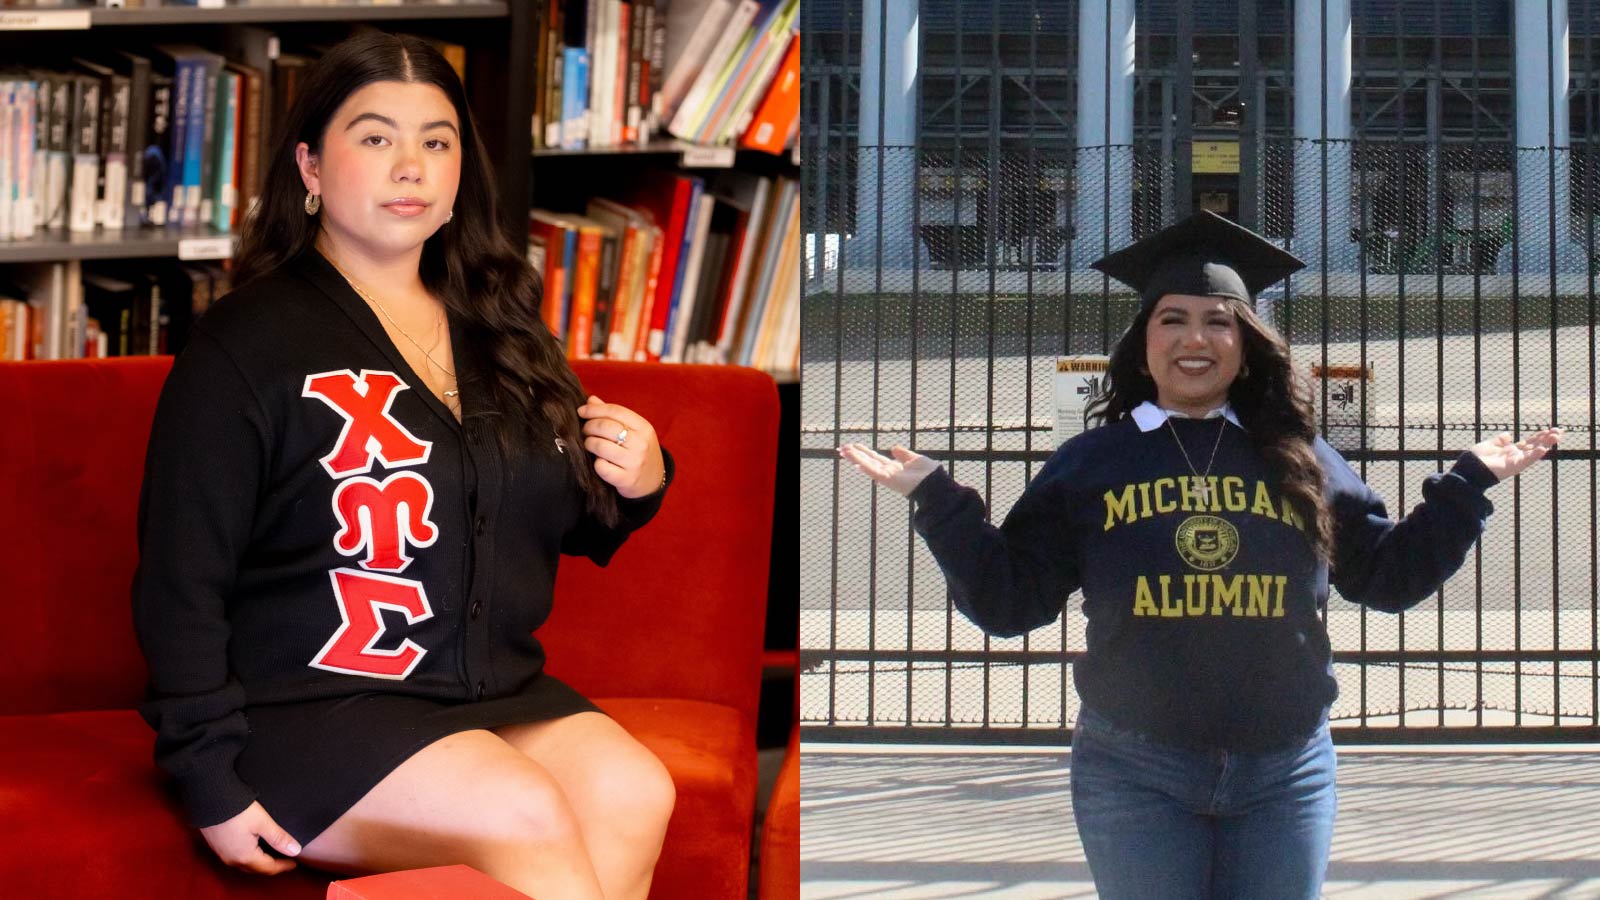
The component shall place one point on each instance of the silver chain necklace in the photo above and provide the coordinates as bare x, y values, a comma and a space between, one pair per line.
370, 299
1203, 490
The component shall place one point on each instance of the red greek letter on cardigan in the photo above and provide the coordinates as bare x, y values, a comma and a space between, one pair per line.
383, 518
369, 431
351, 650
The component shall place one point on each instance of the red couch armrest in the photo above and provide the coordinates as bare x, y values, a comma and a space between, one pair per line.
679, 610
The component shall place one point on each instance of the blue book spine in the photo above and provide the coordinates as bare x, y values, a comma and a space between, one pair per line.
228, 114
575, 99
194, 142
182, 91
698, 187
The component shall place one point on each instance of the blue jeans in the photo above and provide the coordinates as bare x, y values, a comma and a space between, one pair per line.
1163, 823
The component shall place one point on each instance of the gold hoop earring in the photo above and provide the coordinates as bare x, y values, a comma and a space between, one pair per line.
313, 203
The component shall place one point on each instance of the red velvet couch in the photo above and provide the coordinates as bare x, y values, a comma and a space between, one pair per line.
84, 812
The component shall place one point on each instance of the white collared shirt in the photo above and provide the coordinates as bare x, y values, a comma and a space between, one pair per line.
1149, 416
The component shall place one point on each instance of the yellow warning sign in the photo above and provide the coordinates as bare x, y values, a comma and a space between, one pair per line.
1215, 157
1083, 363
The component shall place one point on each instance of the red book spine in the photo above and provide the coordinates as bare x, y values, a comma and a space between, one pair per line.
672, 235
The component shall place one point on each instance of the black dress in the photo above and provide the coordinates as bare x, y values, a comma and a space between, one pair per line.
334, 572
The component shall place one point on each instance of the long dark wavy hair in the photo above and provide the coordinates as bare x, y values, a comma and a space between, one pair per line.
530, 391
1272, 400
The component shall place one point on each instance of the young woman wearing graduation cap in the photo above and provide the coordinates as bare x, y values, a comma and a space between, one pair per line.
1203, 521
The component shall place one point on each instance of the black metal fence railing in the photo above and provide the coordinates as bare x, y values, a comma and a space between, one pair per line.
943, 279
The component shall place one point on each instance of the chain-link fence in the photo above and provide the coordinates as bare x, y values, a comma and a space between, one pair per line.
1451, 296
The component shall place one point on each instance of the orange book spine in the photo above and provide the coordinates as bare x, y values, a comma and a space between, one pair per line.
622, 297
555, 272
586, 275
641, 341
779, 111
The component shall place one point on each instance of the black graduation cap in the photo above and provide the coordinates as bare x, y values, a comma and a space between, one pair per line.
1204, 255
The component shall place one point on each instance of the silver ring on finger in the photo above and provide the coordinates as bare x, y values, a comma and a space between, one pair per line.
622, 438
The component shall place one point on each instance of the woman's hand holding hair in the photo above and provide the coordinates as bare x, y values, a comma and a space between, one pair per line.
900, 474
235, 842
1507, 458
627, 453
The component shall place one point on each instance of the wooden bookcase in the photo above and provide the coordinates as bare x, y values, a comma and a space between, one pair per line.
500, 40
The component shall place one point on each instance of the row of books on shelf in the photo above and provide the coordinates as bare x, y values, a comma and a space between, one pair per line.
94, 310
174, 134
673, 268
706, 71
676, 268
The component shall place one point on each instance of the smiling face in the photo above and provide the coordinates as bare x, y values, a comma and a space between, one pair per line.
388, 170
1193, 349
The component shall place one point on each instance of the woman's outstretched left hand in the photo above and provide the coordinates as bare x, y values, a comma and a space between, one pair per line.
1507, 458
634, 467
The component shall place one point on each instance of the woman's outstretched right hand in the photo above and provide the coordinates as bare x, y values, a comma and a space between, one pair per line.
234, 842
901, 474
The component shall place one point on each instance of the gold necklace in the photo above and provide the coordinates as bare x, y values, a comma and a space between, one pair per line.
370, 299
1203, 489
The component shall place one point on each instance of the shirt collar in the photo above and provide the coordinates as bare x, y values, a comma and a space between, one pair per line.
1150, 416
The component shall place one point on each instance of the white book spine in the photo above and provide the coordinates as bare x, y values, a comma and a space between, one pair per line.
116, 200
599, 76
23, 211
591, 43
41, 183
56, 315
84, 201
682, 71
682, 123
8, 148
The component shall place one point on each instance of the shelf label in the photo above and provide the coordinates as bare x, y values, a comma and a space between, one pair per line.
707, 158
45, 20
220, 247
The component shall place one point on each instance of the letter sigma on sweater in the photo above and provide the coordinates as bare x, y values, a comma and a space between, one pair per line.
361, 595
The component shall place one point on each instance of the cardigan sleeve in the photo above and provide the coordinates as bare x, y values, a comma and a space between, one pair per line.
1392, 566
205, 463
1011, 579
593, 539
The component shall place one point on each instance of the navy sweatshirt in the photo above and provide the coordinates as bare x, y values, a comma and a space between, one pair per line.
315, 523
1203, 627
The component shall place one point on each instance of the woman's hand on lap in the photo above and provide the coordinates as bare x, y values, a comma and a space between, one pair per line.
901, 473
1507, 458
235, 842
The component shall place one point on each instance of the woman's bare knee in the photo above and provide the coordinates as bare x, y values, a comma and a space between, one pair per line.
651, 794
468, 798
537, 811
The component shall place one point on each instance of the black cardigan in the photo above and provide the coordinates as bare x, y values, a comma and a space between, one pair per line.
314, 523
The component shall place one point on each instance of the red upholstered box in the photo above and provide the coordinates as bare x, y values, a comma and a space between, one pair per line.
675, 659
437, 883
780, 831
